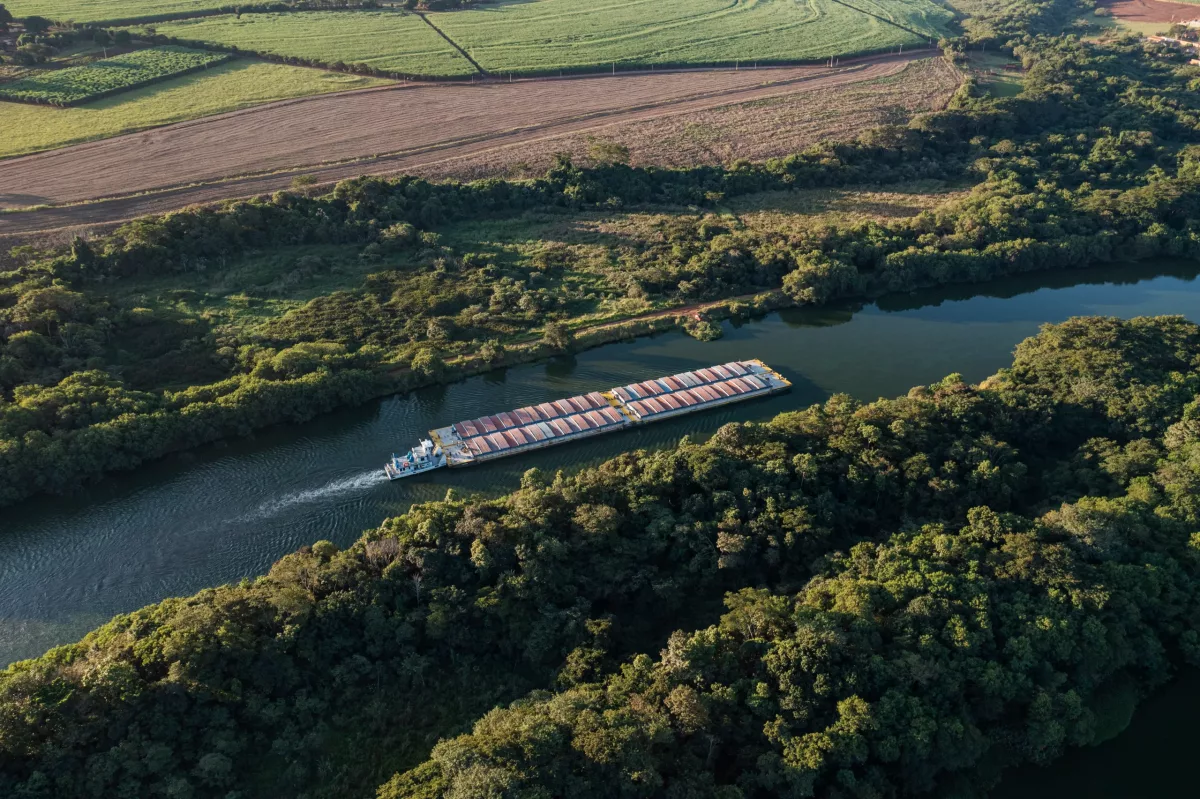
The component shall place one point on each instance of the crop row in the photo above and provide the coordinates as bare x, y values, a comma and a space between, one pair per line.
75, 85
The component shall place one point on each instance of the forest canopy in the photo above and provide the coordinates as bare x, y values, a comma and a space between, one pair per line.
916, 591
114, 352
851, 600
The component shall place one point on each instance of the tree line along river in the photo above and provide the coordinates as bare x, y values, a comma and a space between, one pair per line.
228, 511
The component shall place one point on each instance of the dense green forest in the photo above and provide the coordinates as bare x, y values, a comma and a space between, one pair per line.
917, 591
851, 600
113, 353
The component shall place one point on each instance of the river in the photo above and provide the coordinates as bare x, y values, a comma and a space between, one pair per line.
228, 511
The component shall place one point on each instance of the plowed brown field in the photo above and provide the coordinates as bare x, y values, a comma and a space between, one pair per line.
377, 131
1152, 11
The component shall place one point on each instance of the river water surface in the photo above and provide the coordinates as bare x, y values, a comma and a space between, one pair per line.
227, 512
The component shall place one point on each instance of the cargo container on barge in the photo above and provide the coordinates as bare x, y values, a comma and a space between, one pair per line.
537, 426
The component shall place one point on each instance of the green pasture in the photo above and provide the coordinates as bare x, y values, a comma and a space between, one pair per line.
392, 41
225, 87
109, 10
107, 75
544, 35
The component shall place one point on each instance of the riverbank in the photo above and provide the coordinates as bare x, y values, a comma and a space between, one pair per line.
965, 511
227, 511
109, 380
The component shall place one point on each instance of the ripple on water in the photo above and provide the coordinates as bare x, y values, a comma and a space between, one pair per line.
227, 512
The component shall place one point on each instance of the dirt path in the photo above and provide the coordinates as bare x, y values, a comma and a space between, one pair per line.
1152, 11
376, 131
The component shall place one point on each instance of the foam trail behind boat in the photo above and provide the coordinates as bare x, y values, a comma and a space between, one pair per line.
347, 485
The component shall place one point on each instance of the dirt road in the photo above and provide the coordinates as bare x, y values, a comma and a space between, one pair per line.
375, 131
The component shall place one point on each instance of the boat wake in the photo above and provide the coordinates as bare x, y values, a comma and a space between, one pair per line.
347, 485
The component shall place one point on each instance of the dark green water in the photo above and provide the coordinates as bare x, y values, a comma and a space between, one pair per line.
1148, 760
228, 512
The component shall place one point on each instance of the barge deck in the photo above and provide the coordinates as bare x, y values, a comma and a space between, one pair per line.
560, 421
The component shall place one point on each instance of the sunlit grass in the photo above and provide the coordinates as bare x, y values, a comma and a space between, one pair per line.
393, 41
546, 35
228, 87
108, 10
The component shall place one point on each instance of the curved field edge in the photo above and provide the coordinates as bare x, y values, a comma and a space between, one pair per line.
523, 38
756, 129
99, 11
529, 39
235, 85
388, 43
108, 76
361, 131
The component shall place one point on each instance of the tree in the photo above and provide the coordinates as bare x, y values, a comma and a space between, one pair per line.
427, 363
491, 351
558, 336
607, 151
36, 25
303, 184
818, 279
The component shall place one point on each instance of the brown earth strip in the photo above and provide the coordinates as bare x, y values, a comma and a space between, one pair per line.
1152, 11
756, 130
190, 162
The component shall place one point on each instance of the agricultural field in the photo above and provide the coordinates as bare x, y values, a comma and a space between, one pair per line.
922, 16
226, 87
391, 41
1147, 17
109, 10
758, 129
356, 133
547, 35
107, 76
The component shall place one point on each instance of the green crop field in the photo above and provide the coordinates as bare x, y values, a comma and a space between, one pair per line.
392, 41
545, 35
922, 16
107, 76
109, 10
225, 87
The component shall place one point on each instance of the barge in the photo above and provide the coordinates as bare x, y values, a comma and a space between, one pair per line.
550, 423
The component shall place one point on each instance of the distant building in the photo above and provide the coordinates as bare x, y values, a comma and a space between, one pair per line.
1182, 44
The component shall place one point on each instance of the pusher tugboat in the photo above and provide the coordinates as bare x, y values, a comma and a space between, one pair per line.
424, 457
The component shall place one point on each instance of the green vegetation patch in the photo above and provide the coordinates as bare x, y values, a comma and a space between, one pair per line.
577, 34
388, 41
107, 76
887, 569
225, 87
110, 10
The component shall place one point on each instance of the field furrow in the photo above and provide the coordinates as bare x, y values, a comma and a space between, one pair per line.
388, 130
388, 41
551, 36
548, 35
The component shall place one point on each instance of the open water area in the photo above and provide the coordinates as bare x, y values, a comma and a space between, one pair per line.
227, 511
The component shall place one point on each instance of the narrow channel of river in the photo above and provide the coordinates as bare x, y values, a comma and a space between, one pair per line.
228, 512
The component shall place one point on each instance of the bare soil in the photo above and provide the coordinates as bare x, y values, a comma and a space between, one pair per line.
756, 130
1152, 11
375, 131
